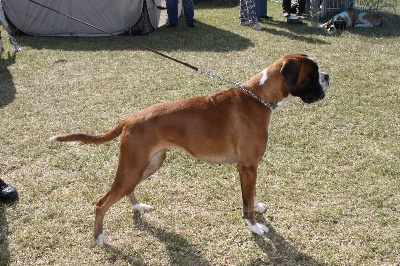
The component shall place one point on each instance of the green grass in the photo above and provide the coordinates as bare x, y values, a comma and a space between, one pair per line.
330, 175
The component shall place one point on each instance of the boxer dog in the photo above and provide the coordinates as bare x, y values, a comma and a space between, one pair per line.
3, 22
227, 127
350, 18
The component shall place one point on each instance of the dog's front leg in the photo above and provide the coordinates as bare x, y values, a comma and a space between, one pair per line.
248, 177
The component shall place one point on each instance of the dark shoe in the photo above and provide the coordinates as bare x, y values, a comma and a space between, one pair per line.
262, 18
171, 25
193, 24
7, 192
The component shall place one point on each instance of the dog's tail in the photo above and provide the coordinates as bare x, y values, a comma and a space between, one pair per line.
92, 139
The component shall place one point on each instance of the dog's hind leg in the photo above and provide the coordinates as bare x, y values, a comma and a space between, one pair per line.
155, 163
128, 176
114, 194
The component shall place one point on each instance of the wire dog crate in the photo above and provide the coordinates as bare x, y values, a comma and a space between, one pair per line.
328, 8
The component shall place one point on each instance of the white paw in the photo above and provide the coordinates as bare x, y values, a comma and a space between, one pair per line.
141, 207
101, 240
259, 229
260, 207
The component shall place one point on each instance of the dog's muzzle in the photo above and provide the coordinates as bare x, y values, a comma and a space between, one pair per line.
324, 81
320, 94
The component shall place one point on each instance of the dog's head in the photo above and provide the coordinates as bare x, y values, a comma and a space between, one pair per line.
329, 25
303, 78
336, 23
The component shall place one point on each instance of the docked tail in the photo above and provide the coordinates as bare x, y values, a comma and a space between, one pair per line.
93, 139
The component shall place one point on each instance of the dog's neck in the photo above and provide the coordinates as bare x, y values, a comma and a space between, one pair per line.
266, 104
263, 86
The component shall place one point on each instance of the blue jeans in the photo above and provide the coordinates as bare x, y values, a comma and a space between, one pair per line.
261, 8
172, 11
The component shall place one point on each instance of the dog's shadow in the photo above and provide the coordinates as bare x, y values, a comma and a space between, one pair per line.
178, 254
278, 250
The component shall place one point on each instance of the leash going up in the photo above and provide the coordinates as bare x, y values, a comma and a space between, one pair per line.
210, 74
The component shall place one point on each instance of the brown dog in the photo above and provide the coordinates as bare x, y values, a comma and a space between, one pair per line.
228, 127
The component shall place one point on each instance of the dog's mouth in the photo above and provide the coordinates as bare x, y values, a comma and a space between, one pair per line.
308, 98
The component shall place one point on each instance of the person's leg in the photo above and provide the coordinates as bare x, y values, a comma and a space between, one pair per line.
244, 15
286, 6
301, 5
293, 8
261, 8
188, 11
172, 11
251, 9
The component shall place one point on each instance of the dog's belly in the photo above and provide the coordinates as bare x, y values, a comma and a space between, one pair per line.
207, 155
217, 158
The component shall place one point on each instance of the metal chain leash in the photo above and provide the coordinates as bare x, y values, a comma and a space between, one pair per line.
211, 74
199, 70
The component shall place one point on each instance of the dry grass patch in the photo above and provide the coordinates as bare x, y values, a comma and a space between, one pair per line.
330, 175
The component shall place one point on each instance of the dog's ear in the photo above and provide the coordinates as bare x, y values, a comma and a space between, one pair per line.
290, 71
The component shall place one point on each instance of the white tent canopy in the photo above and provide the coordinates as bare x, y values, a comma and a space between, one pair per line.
112, 16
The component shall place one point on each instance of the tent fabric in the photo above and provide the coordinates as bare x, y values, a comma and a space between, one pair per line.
112, 16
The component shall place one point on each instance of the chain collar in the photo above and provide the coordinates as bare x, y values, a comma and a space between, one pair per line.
270, 106
238, 85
